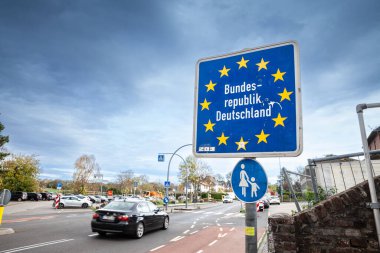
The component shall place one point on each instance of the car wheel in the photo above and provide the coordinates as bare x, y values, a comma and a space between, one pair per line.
84, 205
61, 205
102, 233
166, 223
139, 230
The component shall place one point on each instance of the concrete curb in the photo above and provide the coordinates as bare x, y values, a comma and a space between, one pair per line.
261, 243
6, 231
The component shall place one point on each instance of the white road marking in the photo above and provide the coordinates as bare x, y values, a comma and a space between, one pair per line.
92, 235
199, 251
229, 223
218, 225
159, 247
232, 229
199, 212
222, 235
196, 231
228, 214
205, 227
177, 238
192, 226
220, 229
194, 222
35, 246
212, 243
187, 231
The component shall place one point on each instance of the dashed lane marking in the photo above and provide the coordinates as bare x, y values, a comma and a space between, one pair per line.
92, 235
199, 251
187, 231
212, 243
192, 226
159, 247
177, 238
205, 227
232, 229
220, 229
222, 235
196, 231
33, 246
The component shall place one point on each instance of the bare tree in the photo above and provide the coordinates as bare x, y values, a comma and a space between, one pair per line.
197, 171
125, 180
84, 168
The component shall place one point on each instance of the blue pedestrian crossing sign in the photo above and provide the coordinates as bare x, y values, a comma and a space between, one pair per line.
167, 184
249, 181
166, 200
59, 186
248, 104
161, 158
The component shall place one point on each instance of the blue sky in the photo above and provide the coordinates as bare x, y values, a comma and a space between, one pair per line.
115, 79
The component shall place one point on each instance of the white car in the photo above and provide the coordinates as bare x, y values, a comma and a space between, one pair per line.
227, 199
274, 200
73, 201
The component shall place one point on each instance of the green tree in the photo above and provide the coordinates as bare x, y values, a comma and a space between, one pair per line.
21, 173
3, 141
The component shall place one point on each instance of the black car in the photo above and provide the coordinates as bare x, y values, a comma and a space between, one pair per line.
46, 196
130, 217
19, 196
34, 196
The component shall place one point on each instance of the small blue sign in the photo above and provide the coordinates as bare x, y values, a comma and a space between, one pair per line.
59, 186
166, 200
161, 158
167, 184
248, 104
135, 184
249, 181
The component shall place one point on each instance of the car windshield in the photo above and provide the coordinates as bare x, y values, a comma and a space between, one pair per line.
120, 205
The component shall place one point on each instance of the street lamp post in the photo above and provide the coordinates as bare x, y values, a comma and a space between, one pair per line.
167, 176
187, 173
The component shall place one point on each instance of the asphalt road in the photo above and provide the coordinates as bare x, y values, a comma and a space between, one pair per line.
217, 228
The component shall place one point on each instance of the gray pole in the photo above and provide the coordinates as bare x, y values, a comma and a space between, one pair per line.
314, 181
167, 176
250, 228
371, 182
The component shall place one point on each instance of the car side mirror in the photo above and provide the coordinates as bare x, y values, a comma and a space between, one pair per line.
156, 210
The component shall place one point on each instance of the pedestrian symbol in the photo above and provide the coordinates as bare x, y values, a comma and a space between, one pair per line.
249, 174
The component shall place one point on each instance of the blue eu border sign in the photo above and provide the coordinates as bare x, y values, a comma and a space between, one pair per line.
249, 181
248, 103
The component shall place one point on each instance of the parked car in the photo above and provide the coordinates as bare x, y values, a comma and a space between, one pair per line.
84, 197
73, 201
275, 200
266, 202
103, 199
94, 199
46, 196
260, 206
129, 216
34, 196
19, 196
227, 199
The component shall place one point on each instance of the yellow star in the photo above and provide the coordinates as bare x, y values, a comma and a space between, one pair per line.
241, 144
279, 120
205, 105
262, 137
262, 64
209, 126
224, 71
222, 139
242, 63
285, 95
210, 86
279, 75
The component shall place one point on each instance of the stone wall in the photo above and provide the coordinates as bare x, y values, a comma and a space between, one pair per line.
341, 224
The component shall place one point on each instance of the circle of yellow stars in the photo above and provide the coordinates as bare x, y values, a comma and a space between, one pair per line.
278, 121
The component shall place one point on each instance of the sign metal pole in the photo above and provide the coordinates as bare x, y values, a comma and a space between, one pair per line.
250, 228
